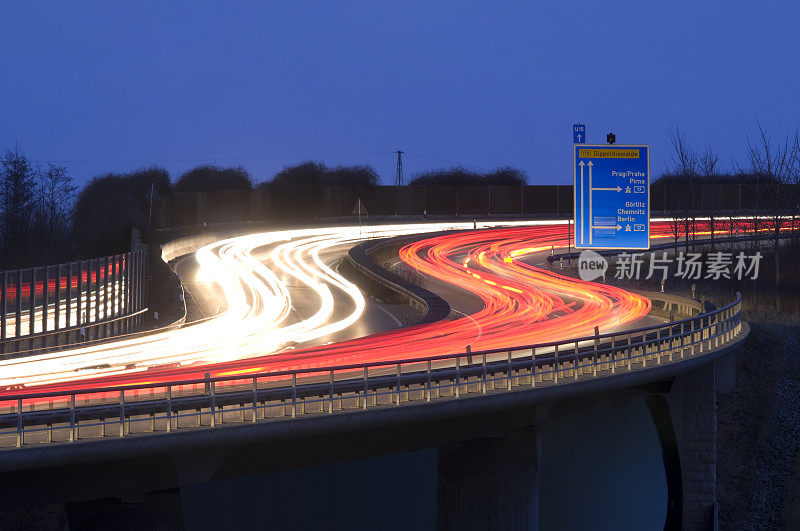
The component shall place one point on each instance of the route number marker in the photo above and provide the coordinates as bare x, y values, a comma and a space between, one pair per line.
578, 133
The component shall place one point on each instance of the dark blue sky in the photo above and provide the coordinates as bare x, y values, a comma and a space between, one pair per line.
111, 87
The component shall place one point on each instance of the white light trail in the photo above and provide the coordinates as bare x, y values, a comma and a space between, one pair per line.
256, 311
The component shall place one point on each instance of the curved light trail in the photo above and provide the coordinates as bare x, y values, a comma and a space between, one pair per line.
253, 323
256, 333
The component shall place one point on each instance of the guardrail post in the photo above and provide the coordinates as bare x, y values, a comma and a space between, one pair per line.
613, 352
72, 423
112, 287
458, 377
255, 399
18, 312
58, 309
398, 384
117, 291
89, 289
484, 383
45, 297
106, 312
675, 343
126, 288
330, 405
533, 367
630, 352
32, 309
366, 390
122, 413
703, 329
575, 361
20, 435
212, 389
98, 268
294, 394
731, 324
79, 307
555, 365
169, 408
428, 389
659, 343
510, 371
68, 296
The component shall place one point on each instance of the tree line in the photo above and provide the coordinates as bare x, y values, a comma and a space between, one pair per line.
35, 211
44, 218
769, 177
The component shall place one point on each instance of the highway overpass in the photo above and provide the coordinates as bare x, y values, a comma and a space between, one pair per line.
172, 424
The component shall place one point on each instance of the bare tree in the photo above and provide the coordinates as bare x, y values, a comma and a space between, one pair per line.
683, 156
676, 211
17, 188
684, 170
708, 164
774, 166
53, 213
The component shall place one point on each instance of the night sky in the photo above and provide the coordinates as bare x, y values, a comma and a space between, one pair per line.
109, 86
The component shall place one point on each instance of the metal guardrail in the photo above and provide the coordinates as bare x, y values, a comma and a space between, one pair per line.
119, 412
435, 307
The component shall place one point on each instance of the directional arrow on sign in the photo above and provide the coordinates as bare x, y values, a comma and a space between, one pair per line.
618, 189
581, 165
605, 227
591, 216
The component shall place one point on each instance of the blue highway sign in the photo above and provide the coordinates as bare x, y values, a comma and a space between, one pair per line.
578, 133
612, 196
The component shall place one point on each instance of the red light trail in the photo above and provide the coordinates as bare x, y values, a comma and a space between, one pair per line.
523, 305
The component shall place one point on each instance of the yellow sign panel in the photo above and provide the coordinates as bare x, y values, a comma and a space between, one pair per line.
594, 153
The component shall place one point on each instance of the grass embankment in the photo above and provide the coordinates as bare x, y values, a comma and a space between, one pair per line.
759, 432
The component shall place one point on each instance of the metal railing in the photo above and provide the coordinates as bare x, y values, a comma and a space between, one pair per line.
62, 304
118, 412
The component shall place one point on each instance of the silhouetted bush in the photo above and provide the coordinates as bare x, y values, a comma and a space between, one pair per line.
316, 175
297, 191
111, 205
460, 177
208, 178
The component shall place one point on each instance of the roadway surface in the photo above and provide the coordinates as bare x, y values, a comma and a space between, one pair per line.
464, 303
205, 300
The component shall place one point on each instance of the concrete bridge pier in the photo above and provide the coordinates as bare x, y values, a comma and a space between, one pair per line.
686, 419
490, 482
